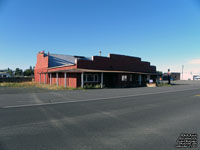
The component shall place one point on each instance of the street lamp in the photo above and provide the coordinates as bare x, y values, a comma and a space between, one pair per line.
182, 71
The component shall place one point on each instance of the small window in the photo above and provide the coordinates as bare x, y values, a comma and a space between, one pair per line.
91, 78
124, 77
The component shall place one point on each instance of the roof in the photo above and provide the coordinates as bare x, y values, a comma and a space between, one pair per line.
5, 70
78, 70
56, 60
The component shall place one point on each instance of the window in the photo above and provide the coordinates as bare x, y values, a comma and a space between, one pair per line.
91, 78
131, 77
124, 77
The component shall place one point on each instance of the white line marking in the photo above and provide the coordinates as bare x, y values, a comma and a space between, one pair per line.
86, 100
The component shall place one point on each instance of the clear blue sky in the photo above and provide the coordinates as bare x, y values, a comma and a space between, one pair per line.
164, 32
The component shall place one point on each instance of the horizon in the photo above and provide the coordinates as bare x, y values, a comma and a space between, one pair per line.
164, 33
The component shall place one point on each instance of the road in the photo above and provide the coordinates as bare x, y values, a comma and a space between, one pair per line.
105, 119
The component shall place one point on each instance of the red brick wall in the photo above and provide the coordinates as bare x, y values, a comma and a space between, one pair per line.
41, 66
71, 80
117, 62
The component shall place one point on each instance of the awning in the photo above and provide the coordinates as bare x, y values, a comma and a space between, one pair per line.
77, 70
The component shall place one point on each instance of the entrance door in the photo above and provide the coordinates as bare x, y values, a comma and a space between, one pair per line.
111, 79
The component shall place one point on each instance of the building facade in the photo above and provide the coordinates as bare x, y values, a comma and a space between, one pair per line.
78, 71
4, 74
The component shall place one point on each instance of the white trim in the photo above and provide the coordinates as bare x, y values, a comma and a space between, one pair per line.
57, 78
65, 75
50, 79
82, 80
102, 80
140, 79
61, 66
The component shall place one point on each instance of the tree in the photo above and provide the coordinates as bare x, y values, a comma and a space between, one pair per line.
29, 72
10, 72
18, 72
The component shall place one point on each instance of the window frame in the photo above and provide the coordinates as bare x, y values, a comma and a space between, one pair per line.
94, 77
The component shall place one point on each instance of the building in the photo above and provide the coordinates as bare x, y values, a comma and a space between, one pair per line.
4, 74
78, 71
174, 76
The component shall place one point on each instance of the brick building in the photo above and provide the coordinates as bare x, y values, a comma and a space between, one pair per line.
78, 71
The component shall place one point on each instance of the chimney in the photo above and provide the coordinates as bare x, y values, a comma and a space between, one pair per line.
41, 52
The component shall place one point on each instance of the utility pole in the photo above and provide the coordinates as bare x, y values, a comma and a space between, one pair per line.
182, 71
169, 77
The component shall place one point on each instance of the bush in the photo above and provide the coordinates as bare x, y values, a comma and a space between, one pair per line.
91, 86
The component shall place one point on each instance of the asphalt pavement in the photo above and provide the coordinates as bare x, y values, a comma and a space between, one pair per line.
104, 119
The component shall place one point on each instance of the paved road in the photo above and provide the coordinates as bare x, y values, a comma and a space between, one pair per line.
108, 119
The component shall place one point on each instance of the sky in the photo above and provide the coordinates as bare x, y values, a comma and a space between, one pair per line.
164, 32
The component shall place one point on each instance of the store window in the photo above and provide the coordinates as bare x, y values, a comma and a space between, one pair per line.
91, 78
124, 77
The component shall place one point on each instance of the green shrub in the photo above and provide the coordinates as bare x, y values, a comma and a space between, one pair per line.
91, 86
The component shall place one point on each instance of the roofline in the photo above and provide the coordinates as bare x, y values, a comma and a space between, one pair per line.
79, 70
61, 66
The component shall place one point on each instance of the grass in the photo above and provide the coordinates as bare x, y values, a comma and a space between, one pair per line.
35, 85
54, 87
163, 84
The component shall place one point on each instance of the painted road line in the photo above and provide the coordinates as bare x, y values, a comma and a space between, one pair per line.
97, 99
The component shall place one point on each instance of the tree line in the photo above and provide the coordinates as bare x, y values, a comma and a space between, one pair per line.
19, 72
